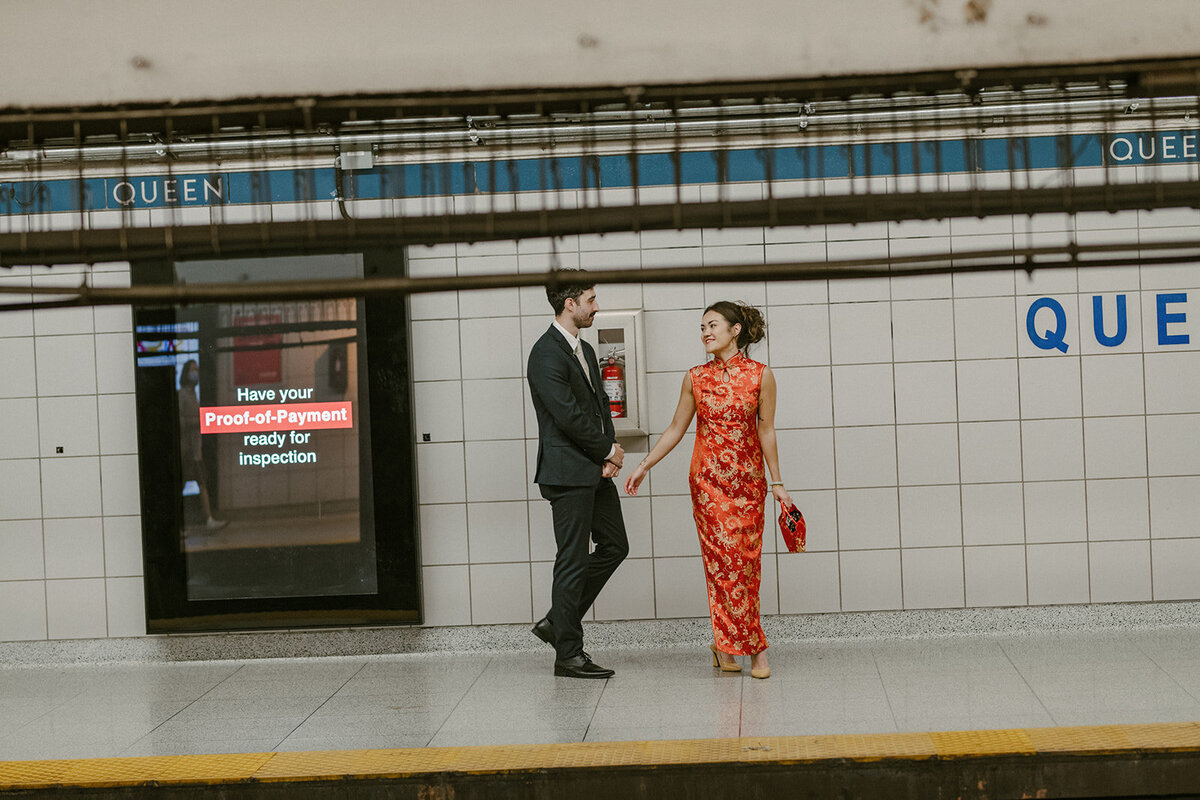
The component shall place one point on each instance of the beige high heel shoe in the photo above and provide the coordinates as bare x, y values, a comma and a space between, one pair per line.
765, 672
717, 662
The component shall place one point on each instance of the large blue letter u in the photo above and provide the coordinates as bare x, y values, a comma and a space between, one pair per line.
1098, 322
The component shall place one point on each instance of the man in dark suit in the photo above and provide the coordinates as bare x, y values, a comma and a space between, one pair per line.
578, 456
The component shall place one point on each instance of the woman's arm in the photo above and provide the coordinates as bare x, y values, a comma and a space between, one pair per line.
766, 435
671, 436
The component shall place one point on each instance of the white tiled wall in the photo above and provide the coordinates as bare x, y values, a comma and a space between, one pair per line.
70, 533
941, 459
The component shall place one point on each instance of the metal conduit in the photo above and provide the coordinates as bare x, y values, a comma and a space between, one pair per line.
1029, 259
467, 135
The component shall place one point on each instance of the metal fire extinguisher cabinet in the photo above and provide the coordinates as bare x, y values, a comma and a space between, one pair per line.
617, 337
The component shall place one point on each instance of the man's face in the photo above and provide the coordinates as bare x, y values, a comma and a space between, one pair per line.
584, 312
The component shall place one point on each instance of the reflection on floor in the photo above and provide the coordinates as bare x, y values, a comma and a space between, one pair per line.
421, 700
340, 528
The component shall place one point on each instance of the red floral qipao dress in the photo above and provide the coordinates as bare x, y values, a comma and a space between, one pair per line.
729, 489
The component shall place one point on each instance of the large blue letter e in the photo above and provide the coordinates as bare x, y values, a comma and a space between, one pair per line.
1165, 319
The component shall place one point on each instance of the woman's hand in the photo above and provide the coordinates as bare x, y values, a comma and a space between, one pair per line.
781, 494
635, 480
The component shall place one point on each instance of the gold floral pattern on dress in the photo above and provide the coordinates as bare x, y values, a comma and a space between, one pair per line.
729, 488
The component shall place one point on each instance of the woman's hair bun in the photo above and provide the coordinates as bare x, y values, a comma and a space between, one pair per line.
754, 327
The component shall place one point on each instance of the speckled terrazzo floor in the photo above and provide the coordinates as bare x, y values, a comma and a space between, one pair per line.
780, 629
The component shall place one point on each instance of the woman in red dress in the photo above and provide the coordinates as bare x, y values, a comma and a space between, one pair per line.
733, 398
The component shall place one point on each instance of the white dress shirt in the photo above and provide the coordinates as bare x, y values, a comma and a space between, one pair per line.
572, 341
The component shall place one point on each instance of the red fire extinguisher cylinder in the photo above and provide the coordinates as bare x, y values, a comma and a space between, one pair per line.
612, 376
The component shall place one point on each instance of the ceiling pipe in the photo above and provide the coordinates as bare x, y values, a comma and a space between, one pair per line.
808, 118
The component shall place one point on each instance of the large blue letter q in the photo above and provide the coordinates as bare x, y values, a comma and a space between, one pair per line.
1053, 339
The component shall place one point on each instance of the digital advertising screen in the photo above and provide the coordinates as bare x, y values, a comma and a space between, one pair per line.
272, 462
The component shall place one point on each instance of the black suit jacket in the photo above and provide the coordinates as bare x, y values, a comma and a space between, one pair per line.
575, 429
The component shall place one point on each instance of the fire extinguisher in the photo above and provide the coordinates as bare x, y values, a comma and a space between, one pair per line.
613, 378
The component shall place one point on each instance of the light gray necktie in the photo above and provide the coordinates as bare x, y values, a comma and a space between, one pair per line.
587, 373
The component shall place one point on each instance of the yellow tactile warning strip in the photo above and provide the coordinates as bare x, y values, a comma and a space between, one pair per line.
342, 764
983, 743
219, 768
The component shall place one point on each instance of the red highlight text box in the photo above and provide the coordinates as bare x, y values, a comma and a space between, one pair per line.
282, 417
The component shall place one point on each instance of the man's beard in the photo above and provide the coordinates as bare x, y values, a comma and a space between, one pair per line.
585, 321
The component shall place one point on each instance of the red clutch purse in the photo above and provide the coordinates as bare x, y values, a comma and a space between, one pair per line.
791, 525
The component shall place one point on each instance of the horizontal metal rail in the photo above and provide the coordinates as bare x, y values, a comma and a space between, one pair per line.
1029, 259
647, 126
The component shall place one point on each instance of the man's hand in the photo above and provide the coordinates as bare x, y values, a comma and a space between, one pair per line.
618, 456
610, 470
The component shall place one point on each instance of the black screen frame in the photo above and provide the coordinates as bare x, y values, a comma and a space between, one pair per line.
386, 428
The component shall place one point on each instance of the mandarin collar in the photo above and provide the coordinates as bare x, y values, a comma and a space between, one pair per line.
729, 362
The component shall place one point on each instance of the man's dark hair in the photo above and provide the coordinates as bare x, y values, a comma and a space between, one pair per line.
576, 282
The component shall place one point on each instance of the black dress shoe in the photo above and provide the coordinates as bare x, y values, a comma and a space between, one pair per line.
545, 631
579, 667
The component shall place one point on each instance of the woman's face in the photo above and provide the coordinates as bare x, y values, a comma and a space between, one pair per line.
716, 333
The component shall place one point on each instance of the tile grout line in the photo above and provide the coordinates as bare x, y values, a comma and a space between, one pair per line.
1194, 695
887, 696
320, 706
100, 467
188, 705
37, 411
1025, 680
958, 462
486, 667
1021, 447
1083, 450
595, 710
1146, 434
833, 459
891, 312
